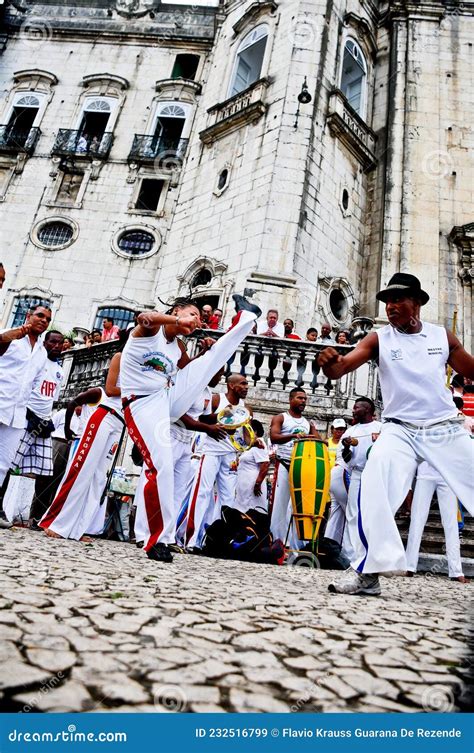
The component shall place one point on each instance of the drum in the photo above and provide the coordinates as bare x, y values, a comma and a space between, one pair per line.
309, 478
243, 438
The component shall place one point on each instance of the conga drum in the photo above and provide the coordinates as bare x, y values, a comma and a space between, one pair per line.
309, 478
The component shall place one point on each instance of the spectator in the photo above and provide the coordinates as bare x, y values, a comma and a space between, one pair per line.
22, 358
326, 338
288, 325
2, 275
271, 328
206, 313
338, 428
110, 330
312, 335
68, 343
88, 341
96, 336
342, 338
34, 456
215, 319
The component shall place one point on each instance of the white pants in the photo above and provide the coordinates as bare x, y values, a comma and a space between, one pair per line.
245, 498
9, 441
203, 508
448, 507
387, 478
148, 423
183, 472
282, 509
76, 508
336, 528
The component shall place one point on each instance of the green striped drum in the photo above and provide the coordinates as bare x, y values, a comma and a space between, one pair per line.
310, 477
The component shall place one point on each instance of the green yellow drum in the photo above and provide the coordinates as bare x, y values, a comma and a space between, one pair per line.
310, 477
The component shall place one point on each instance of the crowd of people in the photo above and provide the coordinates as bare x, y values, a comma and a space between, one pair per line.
195, 481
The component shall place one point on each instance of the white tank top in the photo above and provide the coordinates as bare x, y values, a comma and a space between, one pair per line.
211, 446
201, 406
412, 372
148, 364
291, 425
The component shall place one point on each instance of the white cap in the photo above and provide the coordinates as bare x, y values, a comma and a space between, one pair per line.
339, 423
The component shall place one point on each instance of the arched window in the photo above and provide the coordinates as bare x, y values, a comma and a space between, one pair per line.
248, 64
354, 76
94, 122
121, 316
22, 117
22, 305
168, 128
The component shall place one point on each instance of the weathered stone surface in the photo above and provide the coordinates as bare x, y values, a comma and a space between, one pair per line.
121, 640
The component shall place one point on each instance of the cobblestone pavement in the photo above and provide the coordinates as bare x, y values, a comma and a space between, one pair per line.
100, 627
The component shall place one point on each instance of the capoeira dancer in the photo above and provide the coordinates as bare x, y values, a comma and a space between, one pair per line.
79, 507
420, 421
182, 433
34, 456
218, 465
159, 384
284, 429
251, 489
429, 481
22, 358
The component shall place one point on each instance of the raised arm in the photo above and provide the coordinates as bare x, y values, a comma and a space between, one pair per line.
12, 334
459, 358
149, 323
335, 366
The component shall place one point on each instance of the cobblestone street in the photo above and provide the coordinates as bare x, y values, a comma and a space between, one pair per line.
99, 627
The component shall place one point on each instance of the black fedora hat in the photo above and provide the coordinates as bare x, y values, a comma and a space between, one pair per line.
404, 283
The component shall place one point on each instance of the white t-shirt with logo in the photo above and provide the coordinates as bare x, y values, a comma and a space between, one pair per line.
46, 388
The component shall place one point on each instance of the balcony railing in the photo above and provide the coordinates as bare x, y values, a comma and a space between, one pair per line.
348, 126
243, 108
166, 153
272, 366
14, 140
76, 144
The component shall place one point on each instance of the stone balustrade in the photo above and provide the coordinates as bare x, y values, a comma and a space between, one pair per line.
272, 366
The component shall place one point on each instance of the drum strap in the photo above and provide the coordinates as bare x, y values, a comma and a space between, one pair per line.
284, 463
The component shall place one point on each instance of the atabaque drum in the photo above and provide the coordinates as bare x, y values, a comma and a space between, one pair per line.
309, 477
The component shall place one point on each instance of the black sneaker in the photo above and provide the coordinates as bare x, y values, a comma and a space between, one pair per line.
160, 553
193, 550
242, 304
33, 526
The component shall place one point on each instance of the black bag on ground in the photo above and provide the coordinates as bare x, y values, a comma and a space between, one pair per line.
242, 536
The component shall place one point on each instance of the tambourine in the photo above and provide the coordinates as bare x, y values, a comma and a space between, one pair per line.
235, 419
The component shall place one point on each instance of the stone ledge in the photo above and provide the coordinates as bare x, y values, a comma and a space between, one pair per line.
346, 125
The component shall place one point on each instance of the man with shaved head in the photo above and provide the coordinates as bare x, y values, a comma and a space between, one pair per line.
218, 466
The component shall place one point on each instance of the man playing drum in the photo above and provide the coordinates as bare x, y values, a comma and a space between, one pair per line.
420, 421
284, 429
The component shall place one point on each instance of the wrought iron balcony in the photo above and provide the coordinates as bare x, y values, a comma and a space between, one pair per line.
76, 144
166, 153
14, 140
272, 366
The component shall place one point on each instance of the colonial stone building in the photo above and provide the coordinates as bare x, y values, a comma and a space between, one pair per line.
300, 150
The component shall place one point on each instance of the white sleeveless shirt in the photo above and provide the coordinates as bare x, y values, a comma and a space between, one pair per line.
412, 373
212, 446
112, 401
148, 364
294, 426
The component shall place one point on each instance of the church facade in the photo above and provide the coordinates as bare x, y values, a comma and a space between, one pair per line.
300, 151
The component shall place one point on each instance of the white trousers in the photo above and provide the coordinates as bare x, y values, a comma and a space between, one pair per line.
9, 441
337, 528
204, 509
148, 423
387, 478
282, 509
420, 508
76, 508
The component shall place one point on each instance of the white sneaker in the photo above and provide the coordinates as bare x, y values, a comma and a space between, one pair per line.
352, 582
4, 523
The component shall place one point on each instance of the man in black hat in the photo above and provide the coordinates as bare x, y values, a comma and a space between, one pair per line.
419, 422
